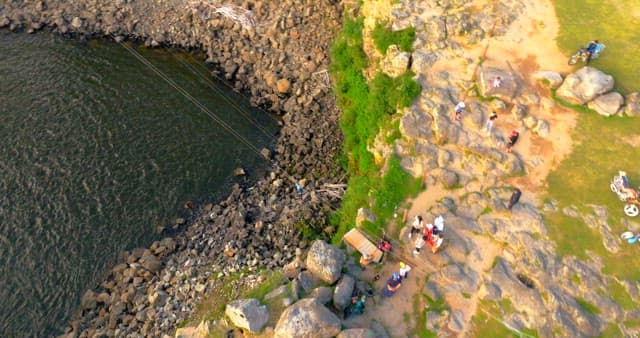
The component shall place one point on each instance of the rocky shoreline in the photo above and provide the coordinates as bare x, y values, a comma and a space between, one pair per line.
280, 59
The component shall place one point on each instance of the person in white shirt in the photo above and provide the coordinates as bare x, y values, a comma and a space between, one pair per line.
497, 82
416, 226
404, 270
419, 244
438, 224
437, 243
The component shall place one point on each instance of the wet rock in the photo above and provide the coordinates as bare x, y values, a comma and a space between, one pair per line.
247, 314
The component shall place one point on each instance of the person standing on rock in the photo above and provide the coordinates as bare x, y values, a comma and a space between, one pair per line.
417, 226
458, 109
515, 197
497, 82
392, 285
513, 138
419, 244
488, 127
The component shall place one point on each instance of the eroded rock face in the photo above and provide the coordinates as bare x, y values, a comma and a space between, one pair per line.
247, 314
356, 333
325, 261
553, 79
607, 104
584, 85
307, 319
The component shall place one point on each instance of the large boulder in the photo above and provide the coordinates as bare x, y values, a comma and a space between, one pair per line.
607, 104
343, 292
247, 314
307, 319
633, 104
584, 85
325, 261
553, 79
508, 88
395, 62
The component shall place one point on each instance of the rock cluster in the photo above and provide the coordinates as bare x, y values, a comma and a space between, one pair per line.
280, 60
308, 310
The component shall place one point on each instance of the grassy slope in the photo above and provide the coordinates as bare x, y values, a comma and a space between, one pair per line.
599, 152
613, 22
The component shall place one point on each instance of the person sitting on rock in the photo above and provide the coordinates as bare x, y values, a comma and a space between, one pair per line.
497, 82
419, 244
515, 197
392, 285
438, 225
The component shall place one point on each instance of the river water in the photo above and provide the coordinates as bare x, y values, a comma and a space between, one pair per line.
96, 152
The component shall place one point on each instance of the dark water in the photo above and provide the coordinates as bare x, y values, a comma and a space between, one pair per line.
96, 152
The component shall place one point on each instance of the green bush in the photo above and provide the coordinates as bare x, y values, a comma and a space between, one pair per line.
383, 37
366, 108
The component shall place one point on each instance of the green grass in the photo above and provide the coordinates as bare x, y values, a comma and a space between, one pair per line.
274, 279
601, 148
592, 309
611, 331
383, 37
367, 109
620, 296
485, 326
420, 329
614, 23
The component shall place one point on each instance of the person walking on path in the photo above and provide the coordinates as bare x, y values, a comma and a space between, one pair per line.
417, 226
404, 270
458, 109
419, 244
488, 127
513, 138
515, 197
392, 285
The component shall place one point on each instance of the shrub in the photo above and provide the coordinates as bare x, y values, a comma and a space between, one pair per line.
383, 37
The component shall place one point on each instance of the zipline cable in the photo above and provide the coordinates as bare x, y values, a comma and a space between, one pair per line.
221, 93
193, 100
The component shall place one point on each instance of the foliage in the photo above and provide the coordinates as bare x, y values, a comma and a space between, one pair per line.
383, 37
592, 19
620, 296
367, 107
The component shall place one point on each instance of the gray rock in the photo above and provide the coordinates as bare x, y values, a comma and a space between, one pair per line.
584, 85
325, 261
607, 104
247, 314
456, 321
307, 319
633, 104
88, 301
507, 91
158, 298
343, 292
552, 78
151, 263
322, 294
530, 122
395, 62
519, 111
357, 333
379, 330
448, 178
77, 23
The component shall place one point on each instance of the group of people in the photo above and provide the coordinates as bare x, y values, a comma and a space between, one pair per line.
393, 284
432, 234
